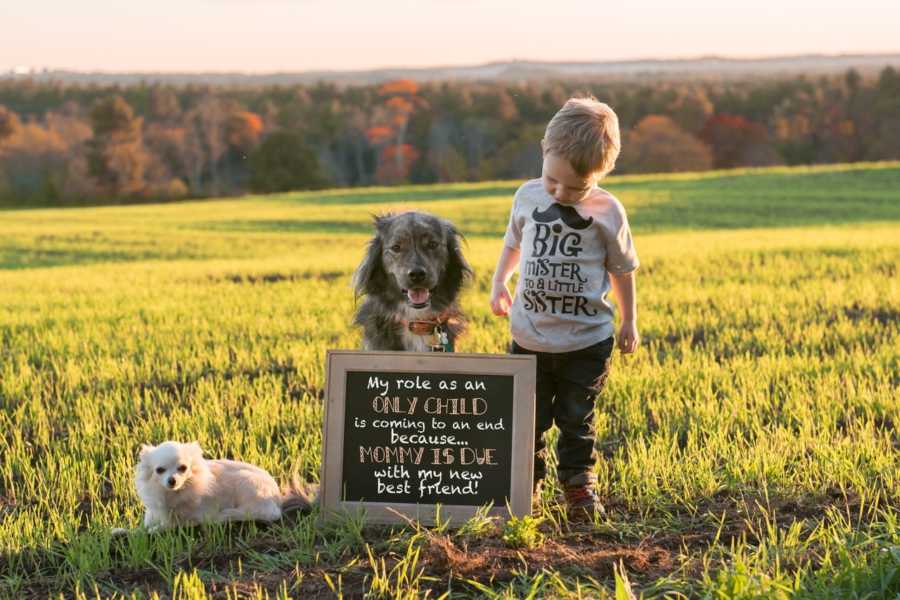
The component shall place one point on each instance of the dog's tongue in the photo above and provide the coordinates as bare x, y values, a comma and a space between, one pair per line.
418, 295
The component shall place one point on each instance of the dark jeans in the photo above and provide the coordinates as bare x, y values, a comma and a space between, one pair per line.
567, 385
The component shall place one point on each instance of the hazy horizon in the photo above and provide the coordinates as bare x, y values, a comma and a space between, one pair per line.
291, 36
392, 67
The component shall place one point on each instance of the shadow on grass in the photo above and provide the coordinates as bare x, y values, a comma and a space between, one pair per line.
762, 200
289, 226
16, 258
726, 201
718, 201
13, 258
428, 193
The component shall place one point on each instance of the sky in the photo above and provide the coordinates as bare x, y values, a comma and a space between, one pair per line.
264, 36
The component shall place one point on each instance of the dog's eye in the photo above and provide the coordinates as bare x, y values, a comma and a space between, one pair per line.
160, 470
396, 248
182, 468
432, 245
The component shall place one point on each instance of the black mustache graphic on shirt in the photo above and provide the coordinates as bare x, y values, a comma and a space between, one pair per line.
567, 214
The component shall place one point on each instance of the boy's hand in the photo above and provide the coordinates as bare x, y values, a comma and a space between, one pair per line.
628, 337
500, 299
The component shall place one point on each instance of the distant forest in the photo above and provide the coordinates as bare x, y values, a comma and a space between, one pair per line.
67, 144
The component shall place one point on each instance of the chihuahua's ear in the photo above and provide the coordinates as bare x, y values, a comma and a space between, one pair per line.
196, 449
144, 472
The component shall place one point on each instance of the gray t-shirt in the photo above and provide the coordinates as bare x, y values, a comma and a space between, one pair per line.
567, 254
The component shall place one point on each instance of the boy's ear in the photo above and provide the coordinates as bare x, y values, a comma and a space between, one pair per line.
145, 448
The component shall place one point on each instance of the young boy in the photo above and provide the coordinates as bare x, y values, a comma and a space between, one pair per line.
571, 242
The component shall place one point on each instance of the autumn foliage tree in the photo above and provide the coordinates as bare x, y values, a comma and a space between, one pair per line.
388, 134
67, 143
116, 156
9, 123
164, 106
736, 141
205, 144
242, 131
657, 144
33, 156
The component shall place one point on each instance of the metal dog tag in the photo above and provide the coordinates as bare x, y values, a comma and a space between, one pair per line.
441, 340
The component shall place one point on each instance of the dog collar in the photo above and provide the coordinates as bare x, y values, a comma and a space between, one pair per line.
436, 327
425, 326
422, 327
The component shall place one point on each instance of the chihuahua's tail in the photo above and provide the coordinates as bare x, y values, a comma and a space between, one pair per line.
298, 496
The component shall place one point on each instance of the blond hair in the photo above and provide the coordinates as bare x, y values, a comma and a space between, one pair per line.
586, 133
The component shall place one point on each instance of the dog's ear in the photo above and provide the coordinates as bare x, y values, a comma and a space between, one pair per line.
382, 221
195, 449
144, 472
458, 269
370, 275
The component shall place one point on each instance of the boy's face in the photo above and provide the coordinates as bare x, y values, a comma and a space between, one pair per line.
562, 182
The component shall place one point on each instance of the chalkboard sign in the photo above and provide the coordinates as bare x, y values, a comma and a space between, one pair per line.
407, 431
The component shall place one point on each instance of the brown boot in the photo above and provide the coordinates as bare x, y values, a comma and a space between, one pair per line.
581, 497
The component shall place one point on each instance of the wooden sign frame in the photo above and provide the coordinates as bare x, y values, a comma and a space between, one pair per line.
339, 362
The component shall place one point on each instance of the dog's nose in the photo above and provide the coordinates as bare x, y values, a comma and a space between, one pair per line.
171, 482
417, 275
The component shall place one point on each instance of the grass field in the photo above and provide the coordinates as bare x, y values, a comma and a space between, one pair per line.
750, 447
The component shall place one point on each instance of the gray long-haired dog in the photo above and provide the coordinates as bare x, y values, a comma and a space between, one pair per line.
411, 277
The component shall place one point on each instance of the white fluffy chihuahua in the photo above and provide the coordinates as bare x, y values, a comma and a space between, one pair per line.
178, 486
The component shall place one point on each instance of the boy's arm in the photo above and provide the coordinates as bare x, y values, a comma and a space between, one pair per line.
624, 288
506, 265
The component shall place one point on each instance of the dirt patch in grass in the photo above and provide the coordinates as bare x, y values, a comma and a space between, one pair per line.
7, 506
489, 559
883, 315
580, 550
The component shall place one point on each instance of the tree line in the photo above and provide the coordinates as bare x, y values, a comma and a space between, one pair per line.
74, 144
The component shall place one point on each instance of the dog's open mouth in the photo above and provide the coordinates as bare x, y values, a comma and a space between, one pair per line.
418, 297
